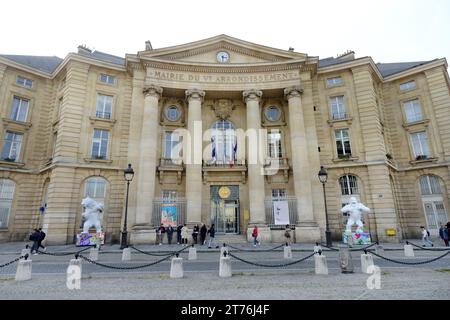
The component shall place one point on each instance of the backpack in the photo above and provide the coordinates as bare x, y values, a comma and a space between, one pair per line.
428, 233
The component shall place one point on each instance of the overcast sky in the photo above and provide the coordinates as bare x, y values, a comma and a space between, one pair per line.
388, 31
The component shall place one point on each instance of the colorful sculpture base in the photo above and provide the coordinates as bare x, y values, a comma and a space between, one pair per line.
357, 238
90, 239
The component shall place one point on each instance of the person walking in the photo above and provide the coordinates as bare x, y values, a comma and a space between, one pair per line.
212, 235
41, 238
195, 232
203, 231
255, 236
169, 231
161, 232
184, 235
443, 233
287, 234
35, 236
426, 237
179, 233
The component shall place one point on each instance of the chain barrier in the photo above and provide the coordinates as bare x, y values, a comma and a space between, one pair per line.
159, 254
269, 265
11, 262
255, 250
411, 263
427, 249
123, 268
64, 254
353, 249
331, 248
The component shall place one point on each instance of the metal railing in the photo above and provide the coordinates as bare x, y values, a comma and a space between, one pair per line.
179, 203
170, 162
276, 162
224, 163
292, 205
103, 115
339, 116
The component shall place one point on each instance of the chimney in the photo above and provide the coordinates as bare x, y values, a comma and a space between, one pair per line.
83, 49
291, 49
148, 45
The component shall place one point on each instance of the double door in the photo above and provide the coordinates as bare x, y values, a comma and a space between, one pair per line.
435, 214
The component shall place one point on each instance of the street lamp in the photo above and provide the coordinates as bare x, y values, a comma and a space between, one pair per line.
128, 174
323, 176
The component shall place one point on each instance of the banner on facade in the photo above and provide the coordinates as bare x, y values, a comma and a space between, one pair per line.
90, 239
281, 212
169, 214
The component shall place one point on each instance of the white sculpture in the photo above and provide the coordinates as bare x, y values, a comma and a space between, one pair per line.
92, 214
355, 209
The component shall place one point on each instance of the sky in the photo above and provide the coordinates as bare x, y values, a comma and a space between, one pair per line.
388, 31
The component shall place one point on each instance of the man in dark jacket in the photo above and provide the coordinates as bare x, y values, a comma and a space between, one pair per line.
35, 236
169, 231
203, 231
212, 235
180, 226
41, 238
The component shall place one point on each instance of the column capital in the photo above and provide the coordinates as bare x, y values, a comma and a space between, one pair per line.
252, 94
153, 90
292, 92
195, 94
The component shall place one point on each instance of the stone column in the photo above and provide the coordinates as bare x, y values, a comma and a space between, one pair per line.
193, 157
147, 165
307, 228
254, 166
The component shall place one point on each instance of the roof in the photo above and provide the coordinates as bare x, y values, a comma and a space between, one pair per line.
105, 57
43, 63
388, 69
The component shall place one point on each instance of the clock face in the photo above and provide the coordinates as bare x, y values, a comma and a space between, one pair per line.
223, 56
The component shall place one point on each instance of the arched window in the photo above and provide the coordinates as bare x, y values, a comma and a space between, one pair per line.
433, 203
224, 142
95, 188
7, 188
349, 185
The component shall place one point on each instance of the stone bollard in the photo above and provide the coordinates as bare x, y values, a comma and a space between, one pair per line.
76, 262
93, 254
223, 249
176, 267
192, 253
287, 252
409, 251
26, 251
345, 259
126, 254
320, 262
317, 248
23, 271
379, 249
366, 262
225, 266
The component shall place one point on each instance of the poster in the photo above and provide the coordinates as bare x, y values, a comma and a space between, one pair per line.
281, 212
90, 239
169, 214
358, 237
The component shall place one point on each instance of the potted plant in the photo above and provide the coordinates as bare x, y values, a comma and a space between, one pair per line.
421, 157
389, 156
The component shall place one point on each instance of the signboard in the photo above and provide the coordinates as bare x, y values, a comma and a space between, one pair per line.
169, 214
357, 238
90, 239
281, 212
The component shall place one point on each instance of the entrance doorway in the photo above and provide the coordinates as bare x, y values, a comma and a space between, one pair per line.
435, 214
225, 209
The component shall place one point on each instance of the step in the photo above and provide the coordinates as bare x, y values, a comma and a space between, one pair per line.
231, 238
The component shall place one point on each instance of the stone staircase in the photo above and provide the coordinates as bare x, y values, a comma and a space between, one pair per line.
230, 238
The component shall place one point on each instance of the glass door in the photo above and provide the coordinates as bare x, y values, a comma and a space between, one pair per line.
435, 214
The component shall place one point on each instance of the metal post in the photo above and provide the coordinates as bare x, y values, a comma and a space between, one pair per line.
124, 241
327, 231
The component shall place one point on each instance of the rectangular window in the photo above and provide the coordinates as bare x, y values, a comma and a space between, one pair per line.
419, 142
172, 145
104, 106
27, 83
106, 78
19, 109
274, 144
6, 198
278, 193
169, 194
412, 111
342, 143
11, 146
407, 85
334, 81
100, 144
337, 108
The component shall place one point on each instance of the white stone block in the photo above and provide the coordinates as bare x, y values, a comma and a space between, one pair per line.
320, 262
76, 262
222, 250
23, 271
26, 251
409, 251
287, 252
176, 268
93, 254
126, 254
317, 248
225, 267
366, 262
379, 249
192, 253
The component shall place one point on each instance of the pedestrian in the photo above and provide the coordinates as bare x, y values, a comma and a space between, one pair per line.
169, 231
35, 236
179, 233
255, 236
203, 231
41, 238
443, 233
287, 234
161, 231
426, 237
184, 235
212, 235
195, 232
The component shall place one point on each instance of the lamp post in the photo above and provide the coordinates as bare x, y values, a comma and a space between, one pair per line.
323, 176
128, 174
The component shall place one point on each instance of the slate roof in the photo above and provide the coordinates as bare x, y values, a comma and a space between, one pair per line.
43, 63
105, 57
388, 69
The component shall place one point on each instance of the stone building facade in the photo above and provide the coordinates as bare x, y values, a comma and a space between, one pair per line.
70, 127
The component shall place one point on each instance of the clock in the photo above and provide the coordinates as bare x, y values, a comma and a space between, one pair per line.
223, 56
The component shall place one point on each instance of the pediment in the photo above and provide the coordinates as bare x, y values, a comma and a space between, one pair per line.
205, 52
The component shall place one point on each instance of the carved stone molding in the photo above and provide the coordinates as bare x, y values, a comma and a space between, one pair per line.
223, 108
195, 94
153, 90
252, 95
291, 92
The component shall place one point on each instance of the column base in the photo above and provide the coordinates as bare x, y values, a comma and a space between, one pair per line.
308, 232
142, 235
264, 234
